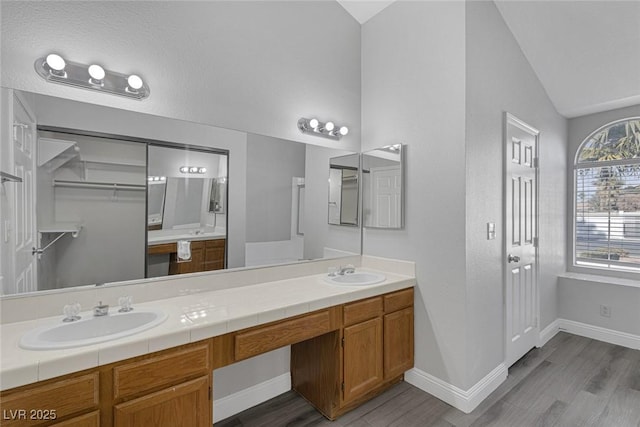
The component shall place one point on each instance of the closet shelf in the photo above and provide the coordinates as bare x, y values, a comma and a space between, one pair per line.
107, 161
54, 153
61, 227
100, 185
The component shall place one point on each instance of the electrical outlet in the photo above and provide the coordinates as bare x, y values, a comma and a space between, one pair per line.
605, 311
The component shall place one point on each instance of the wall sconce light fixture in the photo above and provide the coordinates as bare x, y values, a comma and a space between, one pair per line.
328, 129
55, 69
193, 169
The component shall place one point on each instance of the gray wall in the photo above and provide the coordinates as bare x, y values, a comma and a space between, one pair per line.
254, 66
413, 92
271, 165
500, 79
444, 94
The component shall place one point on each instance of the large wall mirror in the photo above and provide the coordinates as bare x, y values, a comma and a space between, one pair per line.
118, 196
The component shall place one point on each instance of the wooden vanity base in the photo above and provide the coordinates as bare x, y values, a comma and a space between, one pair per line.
341, 357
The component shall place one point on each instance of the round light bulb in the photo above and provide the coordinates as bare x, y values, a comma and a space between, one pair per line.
193, 169
150, 178
96, 72
163, 178
344, 130
329, 126
55, 62
134, 82
184, 169
202, 170
313, 123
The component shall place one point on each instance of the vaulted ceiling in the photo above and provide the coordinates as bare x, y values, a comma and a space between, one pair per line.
585, 53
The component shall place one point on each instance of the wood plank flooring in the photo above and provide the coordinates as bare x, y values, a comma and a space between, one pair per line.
570, 382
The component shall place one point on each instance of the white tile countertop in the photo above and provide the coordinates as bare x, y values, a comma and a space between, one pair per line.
191, 317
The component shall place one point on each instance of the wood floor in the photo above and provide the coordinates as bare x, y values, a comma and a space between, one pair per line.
570, 382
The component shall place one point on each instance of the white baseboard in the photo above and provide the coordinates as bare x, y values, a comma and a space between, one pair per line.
601, 334
249, 397
610, 336
464, 400
549, 332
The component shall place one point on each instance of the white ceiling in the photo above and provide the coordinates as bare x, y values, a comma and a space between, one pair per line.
585, 53
363, 10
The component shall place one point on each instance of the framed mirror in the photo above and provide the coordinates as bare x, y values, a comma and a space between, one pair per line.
382, 187
344, 192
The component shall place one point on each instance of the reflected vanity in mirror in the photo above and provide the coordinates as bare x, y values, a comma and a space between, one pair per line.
382, 192
190, 237
114, 202
344, 173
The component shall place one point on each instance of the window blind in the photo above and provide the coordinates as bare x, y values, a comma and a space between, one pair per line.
607, 222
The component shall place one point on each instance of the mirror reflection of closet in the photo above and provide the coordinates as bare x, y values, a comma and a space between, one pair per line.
344, 190
95, 186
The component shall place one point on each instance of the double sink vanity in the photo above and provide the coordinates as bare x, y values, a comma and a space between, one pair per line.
351, 336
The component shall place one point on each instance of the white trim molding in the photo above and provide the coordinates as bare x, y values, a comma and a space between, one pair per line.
549, 332
464, 400
610, 336
249, 397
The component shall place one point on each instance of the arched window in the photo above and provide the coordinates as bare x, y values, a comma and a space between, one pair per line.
607, 198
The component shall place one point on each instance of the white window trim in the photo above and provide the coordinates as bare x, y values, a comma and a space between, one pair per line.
581, 268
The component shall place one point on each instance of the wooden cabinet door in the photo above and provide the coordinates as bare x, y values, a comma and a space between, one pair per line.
214, 254
398, 342
362, 358
185, 405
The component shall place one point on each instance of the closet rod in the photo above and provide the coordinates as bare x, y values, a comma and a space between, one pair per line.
99, 185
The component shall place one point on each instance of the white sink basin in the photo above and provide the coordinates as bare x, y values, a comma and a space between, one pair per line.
360, 278
91, 330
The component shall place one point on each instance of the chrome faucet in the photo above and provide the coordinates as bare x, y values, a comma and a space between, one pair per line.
100, 309
347, 269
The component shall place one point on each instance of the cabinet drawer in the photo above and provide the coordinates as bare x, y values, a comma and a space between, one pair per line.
144, 375
362, 310
398, 300
62, 398
217, 243
277, 335
88, 420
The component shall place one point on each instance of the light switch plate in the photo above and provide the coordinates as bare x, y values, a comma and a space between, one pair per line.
491, 230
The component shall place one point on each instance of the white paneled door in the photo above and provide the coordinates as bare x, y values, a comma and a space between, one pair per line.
25, 234
386, 193
521, 231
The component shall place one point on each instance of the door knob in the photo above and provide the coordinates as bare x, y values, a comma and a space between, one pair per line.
513, 258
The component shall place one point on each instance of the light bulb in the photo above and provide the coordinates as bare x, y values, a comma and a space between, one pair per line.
202, 170
193, 169
134, 82
150, 178
329, 126
184, 169
96, 72
314, 123
343, 130
163, 178
55, 62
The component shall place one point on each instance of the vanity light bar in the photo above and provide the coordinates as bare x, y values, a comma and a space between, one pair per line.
53, 68
327, 130
193, 169
156, 178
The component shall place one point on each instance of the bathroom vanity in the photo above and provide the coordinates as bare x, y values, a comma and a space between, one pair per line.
206, 255
341, 355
